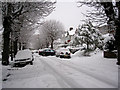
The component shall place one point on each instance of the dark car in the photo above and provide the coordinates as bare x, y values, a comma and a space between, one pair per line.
47, 52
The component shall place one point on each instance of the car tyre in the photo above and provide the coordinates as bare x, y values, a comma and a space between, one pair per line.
14, 65
57, 55
31, 63
43, 54
69, 57
61, 56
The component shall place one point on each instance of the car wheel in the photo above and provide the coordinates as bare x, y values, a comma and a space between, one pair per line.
57, 55
43, 54
14, 65
61, 56
31, 63
69, 57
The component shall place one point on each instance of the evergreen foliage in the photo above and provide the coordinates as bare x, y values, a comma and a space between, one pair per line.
88, 36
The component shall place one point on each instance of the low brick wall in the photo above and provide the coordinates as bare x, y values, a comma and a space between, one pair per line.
110, 54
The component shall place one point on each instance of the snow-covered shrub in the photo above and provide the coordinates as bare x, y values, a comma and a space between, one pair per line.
110, 44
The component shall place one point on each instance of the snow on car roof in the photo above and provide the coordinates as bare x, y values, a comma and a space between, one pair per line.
45, 49
23, 54
63, 50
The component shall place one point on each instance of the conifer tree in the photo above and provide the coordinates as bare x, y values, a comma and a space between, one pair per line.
89, 36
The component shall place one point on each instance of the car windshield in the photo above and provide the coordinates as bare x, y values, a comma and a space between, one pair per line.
48, 50
52, 50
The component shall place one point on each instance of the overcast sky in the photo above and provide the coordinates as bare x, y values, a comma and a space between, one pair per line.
68, 13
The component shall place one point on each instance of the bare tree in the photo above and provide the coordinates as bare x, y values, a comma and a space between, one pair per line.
12, 11
32, 20
52, 30
96, 14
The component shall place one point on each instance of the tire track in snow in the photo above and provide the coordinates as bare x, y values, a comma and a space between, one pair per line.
65, 82
93, 75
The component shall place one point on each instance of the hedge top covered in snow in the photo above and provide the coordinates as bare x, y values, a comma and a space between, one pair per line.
108, 37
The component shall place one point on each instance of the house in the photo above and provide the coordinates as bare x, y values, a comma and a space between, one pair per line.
70, 36
103, 29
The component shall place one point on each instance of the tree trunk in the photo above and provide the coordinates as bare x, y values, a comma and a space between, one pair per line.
117, 39
52, 44
7, 21
20, 46
5, 54
118, 57
87, 45
23, 47
117, 34
11, 50
109, 10
47, 45
6, 40
15, 47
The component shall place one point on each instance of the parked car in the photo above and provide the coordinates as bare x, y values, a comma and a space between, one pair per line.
23, 57
47, 52
34, 51
63, 53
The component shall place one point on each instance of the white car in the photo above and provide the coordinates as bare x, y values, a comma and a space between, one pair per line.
63, 53
23, 57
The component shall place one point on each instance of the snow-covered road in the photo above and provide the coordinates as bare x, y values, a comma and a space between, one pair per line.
53, 72
77, 76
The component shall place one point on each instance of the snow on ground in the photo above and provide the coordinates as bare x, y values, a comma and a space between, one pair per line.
30, 76
53, 72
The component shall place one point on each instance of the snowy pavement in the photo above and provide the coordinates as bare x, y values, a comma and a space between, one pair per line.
53, 72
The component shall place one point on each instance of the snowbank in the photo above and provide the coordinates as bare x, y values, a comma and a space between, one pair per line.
80, 53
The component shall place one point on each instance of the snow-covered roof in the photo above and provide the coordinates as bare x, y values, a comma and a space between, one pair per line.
72, 32
58, 40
